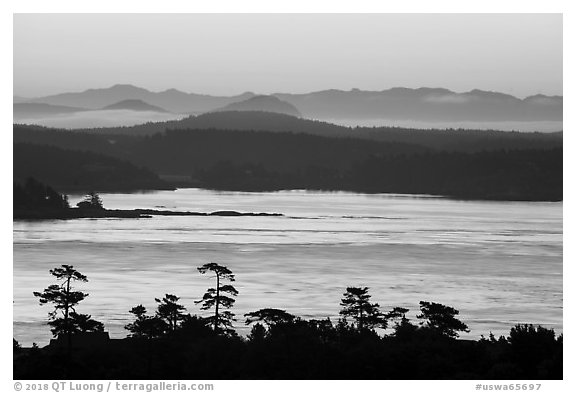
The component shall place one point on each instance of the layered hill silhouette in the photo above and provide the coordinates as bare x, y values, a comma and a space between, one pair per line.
233, 146
458, 164
423, 104
171, 100
450, 140
234, 120
134, 105
73, 170
262, 104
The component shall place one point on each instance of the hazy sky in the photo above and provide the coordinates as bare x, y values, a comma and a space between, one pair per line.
225, 54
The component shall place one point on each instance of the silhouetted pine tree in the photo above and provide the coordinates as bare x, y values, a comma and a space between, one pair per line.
356, 305
91, 201
144, 325
219, 297
170, 311
65, 299
441, 319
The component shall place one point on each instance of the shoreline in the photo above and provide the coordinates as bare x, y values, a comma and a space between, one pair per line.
455, 197
73, 213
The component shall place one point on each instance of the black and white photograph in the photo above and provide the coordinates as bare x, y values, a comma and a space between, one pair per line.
288, 196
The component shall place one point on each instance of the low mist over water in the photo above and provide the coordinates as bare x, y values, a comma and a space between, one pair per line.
499, 263
101, 118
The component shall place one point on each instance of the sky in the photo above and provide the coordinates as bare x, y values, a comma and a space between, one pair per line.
227, 54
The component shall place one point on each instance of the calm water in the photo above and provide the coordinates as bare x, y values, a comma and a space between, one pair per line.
499, 263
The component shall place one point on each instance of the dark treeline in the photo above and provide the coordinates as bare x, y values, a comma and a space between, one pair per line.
302, 349
232, 120
173, 344
34, 200
449, 140
466, 141
446, 140
34, 195
186, 151
266, 161
67, 139
178, 151
80, 171
533, 175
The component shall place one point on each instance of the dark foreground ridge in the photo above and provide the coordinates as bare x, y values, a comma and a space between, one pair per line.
174, 344
300, 349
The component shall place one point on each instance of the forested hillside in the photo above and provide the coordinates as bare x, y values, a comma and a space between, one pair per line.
81, 171
448, 163
451, 139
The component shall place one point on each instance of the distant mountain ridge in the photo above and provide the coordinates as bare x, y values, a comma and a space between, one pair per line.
425, 104
171, 100
422, 104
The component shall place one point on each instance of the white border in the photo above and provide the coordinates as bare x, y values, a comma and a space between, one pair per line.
306, 6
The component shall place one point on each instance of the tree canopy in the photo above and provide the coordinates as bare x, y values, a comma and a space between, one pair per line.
356, 305
441, 319
36, 195
170, 311
144, 325
91, 201
269, 316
